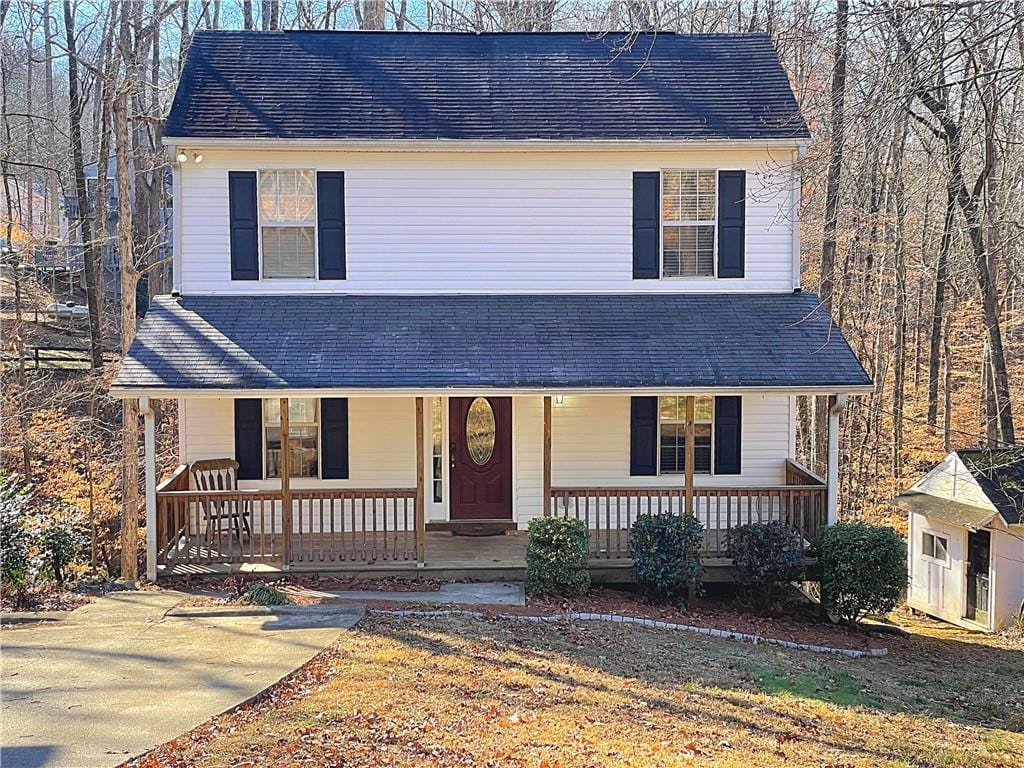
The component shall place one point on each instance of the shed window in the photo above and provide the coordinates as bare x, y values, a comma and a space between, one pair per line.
688, 219
672, 434
287, 201
303, 436
935, 547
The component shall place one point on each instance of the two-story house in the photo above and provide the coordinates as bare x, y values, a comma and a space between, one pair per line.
447, 283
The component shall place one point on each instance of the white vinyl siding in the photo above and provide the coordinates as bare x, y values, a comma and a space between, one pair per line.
590, 445
473, 222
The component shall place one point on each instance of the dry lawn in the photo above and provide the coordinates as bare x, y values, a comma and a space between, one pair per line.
460, 692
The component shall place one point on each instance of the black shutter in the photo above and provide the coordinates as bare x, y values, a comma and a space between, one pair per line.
728, 435
646, 223
643, 436
330, 219
249, 438
245, 259
732, 195
334, 438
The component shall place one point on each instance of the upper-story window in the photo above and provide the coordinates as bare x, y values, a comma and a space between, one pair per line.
688, 221
287, 206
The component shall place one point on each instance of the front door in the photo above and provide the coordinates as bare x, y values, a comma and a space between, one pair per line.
978, 551
480, 432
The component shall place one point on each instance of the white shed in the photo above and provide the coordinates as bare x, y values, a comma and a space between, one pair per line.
966, 539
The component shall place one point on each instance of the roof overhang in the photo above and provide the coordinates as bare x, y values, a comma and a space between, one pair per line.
949, 511
472, 145
156, 392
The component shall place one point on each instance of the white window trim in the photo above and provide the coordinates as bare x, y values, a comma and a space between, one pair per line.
937, 535
316, 227
709, 473
699, 222
319, 442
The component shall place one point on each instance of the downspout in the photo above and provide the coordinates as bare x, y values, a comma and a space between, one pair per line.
832, 476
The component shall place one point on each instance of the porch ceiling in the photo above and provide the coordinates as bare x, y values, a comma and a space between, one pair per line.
521, 342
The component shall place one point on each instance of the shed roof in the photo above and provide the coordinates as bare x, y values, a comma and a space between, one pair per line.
501, 86
489, 341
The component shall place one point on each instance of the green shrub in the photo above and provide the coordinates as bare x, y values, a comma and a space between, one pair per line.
863, 569
666, 555
556, 557
15, 538
263, 594
61, 545
765, 555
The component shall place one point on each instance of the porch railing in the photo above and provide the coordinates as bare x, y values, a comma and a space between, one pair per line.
254, 527
610, 512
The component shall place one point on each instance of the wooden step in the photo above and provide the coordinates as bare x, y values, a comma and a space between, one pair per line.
473, 527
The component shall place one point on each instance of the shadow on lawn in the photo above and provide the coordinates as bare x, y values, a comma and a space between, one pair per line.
956, 680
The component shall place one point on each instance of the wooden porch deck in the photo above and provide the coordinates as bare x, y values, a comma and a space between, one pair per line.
446, 556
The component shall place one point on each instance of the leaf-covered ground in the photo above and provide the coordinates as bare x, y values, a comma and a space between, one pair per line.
463, 692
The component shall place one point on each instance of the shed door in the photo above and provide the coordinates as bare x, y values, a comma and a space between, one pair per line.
979, 544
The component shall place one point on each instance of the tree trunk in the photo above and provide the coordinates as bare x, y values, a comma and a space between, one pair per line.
93, 266
247, 13
938, 307
835, 164
129, 280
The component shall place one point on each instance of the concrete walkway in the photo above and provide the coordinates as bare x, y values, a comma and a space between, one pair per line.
117, 677
482, 593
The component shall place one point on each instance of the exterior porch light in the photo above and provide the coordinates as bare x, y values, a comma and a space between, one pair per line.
559, 399
181, 157
197, 157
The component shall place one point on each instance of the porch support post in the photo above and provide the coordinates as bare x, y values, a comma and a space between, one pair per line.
150, 466
420, 511
836, 405
547, 455
284, 464
688, 468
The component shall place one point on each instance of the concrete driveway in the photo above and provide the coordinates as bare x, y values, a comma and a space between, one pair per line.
118, 677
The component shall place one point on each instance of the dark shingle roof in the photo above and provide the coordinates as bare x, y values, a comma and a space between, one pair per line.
507, 341
409, 85
1000, 473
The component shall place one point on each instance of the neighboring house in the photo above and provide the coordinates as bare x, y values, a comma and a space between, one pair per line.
111, 254
470, 280
966, 539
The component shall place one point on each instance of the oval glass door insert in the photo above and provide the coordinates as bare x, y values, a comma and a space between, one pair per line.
480, 431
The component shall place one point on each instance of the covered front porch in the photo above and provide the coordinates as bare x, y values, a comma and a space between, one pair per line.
380, 433
204, 519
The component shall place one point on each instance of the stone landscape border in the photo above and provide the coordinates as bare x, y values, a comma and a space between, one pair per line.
651, 623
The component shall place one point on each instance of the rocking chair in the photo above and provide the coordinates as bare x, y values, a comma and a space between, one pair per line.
221, 475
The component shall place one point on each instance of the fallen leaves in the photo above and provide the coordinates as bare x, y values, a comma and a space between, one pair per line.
454, 693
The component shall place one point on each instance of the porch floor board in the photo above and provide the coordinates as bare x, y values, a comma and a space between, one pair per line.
446, 556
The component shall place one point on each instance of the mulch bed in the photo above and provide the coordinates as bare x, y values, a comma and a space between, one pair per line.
46, 600
799, 624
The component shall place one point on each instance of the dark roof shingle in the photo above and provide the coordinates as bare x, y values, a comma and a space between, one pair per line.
503, 86
489, 341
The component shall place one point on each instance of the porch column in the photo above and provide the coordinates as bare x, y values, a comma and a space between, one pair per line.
284, 465
836, 405
149, 434
689, 461
420, 507
547, 455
